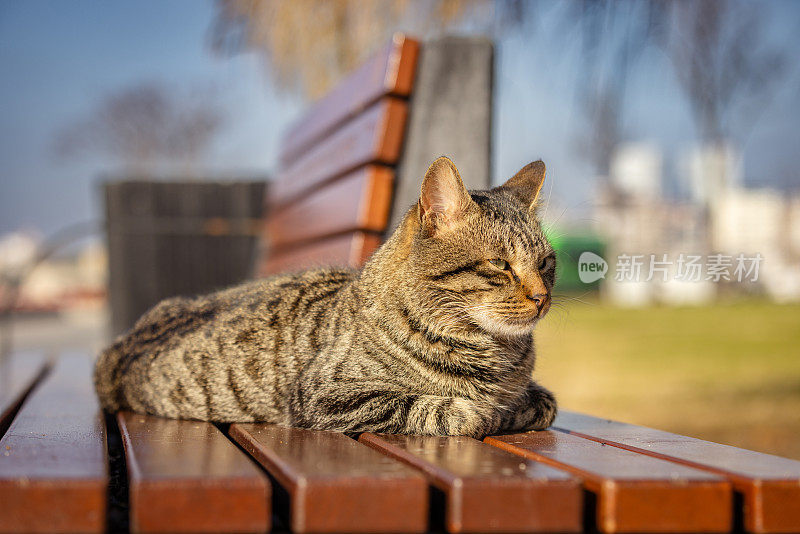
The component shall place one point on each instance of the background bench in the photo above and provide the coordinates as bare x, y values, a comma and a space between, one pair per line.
360, 151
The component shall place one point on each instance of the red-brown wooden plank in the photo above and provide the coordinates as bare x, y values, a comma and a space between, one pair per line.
770, 485
388, 73
186, 476
53, 464
487, 489
358, 201
18, 374
375, 136
336, 484
634, 492
347, 250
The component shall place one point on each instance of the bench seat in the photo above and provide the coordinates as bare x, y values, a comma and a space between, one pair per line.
484, 489
631, 492
586, 474
18, 376
186, 476
335, 484
768, 486
53, 462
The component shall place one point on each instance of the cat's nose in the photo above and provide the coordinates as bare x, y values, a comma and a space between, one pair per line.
538, 299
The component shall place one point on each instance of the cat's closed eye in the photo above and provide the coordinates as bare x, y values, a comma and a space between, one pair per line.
547, 263
500, 264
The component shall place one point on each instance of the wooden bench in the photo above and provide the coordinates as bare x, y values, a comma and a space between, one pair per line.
348, 165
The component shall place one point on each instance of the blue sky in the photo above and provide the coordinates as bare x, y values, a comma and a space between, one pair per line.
59, 58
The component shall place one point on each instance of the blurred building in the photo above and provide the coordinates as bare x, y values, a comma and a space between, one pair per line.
793, 222
720, 217
751, 220
636, 170
712, 170
637, 221
71, 281
17, 250
766, 222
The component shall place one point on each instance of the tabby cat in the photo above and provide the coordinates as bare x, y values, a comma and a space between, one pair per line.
432, 336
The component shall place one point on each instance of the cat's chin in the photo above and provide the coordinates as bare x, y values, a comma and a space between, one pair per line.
500, 327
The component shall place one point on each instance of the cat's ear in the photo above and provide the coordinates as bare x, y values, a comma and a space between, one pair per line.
527, 183
443, 199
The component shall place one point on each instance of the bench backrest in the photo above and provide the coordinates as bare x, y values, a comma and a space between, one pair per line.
331, 201
349, 168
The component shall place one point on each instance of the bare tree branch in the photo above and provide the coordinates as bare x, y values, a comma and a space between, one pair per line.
143, 127
718, 51
716, 47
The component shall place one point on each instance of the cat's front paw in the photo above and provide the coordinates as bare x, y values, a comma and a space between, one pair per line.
470, 418
544, 403
537, 411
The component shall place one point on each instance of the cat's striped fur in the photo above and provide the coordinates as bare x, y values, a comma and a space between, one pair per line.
431, 337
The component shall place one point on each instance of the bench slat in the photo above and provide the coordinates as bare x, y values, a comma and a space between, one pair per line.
634, 493
486, 489
53, 460
18, 374
388, 73
358, 201
186, 476
347, 250
336, 484
770, 484
375, 136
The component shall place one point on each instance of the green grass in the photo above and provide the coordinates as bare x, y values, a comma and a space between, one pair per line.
728, 373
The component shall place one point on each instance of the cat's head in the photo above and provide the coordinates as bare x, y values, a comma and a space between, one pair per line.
481, 256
